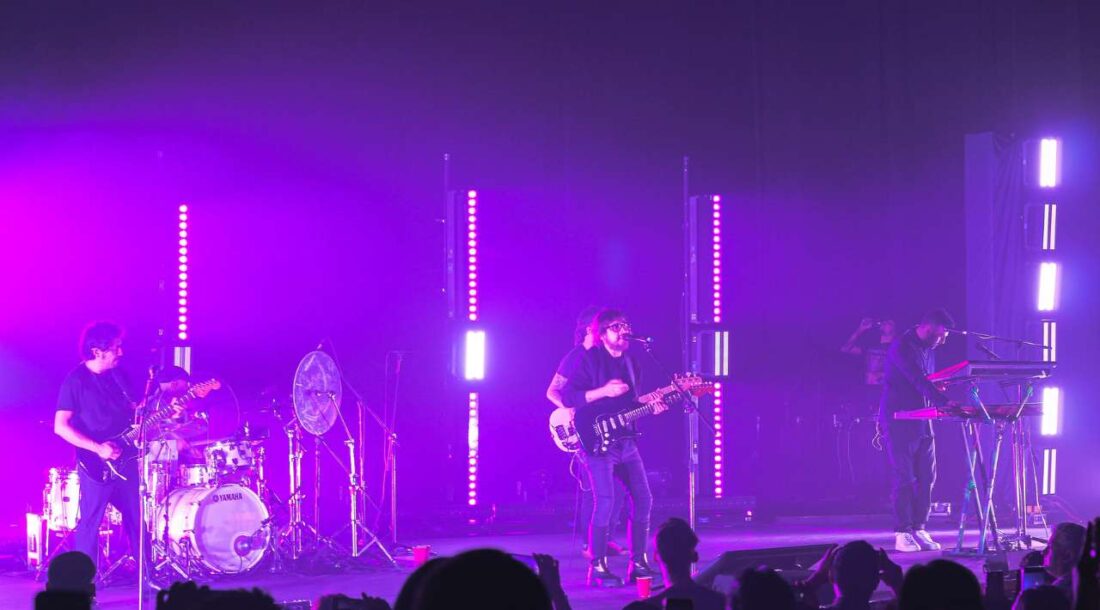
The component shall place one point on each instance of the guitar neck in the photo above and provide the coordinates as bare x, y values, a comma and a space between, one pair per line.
156, 417
647, 401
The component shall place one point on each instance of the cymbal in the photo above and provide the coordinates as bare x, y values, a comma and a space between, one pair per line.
317, 392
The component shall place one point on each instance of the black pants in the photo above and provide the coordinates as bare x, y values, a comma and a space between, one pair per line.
623, 462
94, 497
913, 468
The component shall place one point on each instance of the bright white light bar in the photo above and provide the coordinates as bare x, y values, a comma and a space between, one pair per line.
1052, 412
1048, 163
472, 439
1048, 286
1050, 339
474, 368
721, 353
1050, 471
1050, 225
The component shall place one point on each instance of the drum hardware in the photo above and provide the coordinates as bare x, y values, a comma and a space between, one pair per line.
317, 395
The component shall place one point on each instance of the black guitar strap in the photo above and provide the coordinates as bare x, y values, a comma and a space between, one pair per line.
631, 375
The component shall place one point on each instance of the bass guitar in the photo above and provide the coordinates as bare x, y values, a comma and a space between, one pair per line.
105, 470
593, 429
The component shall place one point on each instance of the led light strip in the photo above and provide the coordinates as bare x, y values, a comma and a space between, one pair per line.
472, 440
181, 327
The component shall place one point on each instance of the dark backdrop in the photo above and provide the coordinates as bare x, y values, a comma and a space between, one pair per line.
309, 140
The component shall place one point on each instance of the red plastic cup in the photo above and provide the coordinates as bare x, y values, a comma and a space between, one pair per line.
421, 554
645, 586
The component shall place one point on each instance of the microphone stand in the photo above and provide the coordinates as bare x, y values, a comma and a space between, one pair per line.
143, 488
691, 409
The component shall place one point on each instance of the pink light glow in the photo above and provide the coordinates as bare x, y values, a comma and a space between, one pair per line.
471, 194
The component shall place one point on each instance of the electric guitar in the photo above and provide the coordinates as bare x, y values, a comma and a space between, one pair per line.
105, 470
593, 429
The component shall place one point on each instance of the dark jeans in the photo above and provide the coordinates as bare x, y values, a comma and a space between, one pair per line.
913, 467
588, 500
623, 462
94, 497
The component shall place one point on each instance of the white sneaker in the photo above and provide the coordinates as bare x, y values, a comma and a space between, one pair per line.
904, 542
925, 541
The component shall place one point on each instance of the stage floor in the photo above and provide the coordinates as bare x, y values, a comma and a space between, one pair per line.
17, 591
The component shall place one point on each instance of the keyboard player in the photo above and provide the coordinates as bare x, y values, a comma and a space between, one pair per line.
911, 444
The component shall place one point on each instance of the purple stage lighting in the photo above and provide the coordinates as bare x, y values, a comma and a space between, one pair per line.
182, 278
717, 416
472, 442
472, 313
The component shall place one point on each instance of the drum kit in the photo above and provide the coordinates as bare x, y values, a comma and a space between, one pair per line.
206, 503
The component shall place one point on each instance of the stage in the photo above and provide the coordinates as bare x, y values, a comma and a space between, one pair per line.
17, 591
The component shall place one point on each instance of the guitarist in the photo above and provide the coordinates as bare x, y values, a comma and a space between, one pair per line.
94, 405
583, 340
606, 380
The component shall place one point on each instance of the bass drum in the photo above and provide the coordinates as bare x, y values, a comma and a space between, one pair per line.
224, 528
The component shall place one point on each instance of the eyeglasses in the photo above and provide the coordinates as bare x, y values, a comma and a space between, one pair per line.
620, 327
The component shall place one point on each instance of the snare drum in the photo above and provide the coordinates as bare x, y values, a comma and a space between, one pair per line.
195, 475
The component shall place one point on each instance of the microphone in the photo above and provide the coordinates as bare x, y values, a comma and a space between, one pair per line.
633, 337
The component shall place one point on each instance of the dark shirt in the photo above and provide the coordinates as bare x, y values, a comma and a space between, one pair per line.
596, 367
906, 385
571, 361
874, 357
100, 406
701, 597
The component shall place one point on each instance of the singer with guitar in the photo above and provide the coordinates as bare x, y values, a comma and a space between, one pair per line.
606, 381
565, 434
94, 405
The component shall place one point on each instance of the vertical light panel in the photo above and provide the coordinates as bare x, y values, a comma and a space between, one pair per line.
1050, 339
181, 324
1048, 162
718, 437
1050, 224
472, 442
1050, 471
474, 356
471, 256
1048, 286
716, 239
1050, 425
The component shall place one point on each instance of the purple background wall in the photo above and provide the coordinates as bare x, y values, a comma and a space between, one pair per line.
309, 141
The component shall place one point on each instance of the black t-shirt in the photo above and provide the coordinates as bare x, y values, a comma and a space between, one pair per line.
595, 369
100, 406
568, 365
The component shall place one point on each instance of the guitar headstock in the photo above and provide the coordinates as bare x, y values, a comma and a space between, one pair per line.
693, 384
200, 390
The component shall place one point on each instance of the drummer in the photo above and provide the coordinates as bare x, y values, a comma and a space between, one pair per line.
185, 426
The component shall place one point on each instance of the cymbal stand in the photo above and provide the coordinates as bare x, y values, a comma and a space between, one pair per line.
296, 527
356, 493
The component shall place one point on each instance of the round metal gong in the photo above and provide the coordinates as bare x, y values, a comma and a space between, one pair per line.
317, 392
